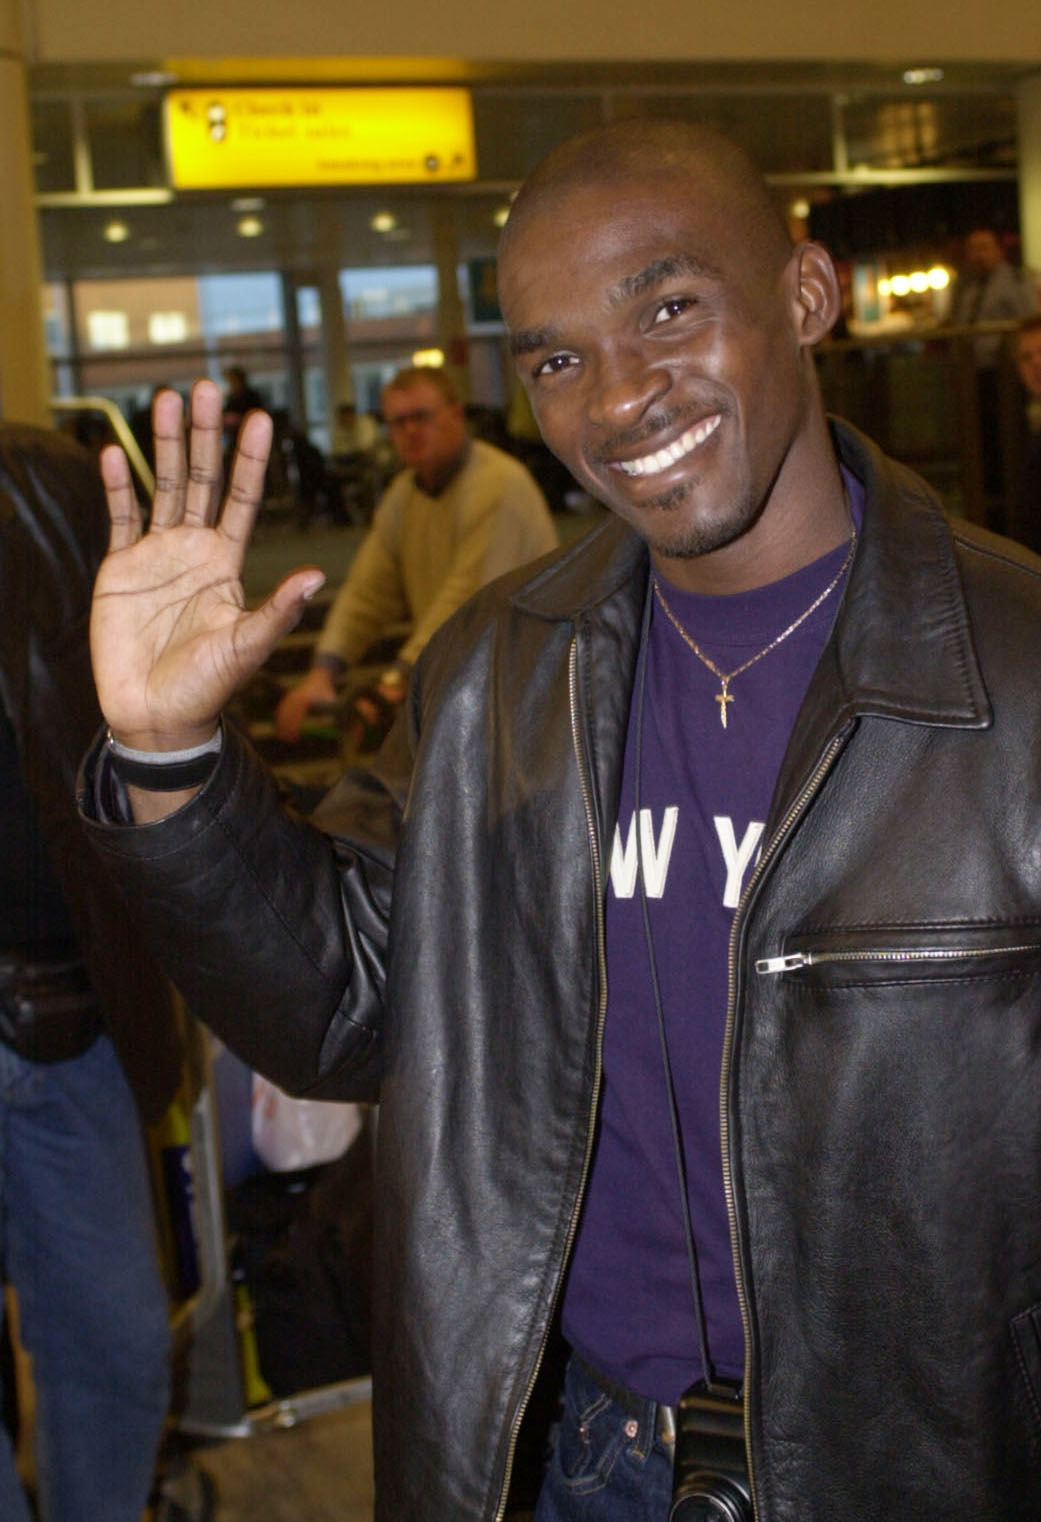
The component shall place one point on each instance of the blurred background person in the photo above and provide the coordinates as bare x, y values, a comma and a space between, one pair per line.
1026, 522
989, 289
460, 513
361, 462
239, 398
353, 433
89, 1044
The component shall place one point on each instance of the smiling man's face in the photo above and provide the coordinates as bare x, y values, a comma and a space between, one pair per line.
665, 353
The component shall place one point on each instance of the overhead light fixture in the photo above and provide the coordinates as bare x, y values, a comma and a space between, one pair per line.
248, 203
383, 222
108, 330
249, 227
168, 327
922, 76
916, 282
115, 231
800, 208
428, 358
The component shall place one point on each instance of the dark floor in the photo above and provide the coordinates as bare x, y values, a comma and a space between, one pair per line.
317, 1471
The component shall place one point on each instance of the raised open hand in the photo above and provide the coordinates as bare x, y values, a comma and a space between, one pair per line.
171, 637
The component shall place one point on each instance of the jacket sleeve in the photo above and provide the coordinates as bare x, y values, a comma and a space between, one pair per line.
274, 931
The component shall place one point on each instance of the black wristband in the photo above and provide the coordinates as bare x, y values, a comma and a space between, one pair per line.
160, 776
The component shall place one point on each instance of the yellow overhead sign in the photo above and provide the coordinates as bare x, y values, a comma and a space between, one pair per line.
235, 138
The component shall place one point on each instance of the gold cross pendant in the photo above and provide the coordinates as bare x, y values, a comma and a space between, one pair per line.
723, 698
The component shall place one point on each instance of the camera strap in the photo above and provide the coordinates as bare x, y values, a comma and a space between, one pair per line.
708, 1371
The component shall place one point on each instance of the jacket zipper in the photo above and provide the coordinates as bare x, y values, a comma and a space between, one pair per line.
792, 961
765, 858
594, 844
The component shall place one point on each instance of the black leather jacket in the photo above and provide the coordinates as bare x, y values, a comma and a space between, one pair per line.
53, 534
882, 1075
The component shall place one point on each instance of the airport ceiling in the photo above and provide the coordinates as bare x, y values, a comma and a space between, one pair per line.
819, 130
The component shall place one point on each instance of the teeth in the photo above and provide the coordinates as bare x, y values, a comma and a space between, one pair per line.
649, 464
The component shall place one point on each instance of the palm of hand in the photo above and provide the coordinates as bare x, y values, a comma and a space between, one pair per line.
171, 637
167, 632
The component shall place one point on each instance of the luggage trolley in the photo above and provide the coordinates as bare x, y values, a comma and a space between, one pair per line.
219, 1385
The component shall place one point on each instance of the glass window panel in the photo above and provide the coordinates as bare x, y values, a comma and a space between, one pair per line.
389, 292
174, 299
56, 327
54, 167
247, 302
125, 144
108, 330
513, 132
784, 134
315, 406
975, 131
308, 307
168, 327
369, 379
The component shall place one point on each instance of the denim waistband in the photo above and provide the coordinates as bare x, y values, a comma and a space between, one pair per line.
640, 1407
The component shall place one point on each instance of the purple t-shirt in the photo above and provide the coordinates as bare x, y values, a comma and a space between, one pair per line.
705, 794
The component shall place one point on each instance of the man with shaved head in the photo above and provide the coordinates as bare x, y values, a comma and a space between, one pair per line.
688, 925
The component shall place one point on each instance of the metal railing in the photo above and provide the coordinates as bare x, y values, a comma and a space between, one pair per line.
120, 427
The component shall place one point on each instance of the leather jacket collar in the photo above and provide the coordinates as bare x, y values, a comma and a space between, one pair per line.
902, 645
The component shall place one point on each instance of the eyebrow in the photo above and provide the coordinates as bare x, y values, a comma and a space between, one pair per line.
657, 271
532, 340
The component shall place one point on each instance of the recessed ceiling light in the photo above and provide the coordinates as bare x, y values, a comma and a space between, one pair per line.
383, 222
922, 76
115, 232
249, 227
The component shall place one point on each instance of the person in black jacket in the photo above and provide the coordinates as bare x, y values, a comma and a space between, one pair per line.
89, 1044
746, 779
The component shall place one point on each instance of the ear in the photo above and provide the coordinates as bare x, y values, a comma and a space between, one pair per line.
817, 300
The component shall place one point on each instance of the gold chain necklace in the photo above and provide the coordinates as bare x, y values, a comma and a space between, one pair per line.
724, 696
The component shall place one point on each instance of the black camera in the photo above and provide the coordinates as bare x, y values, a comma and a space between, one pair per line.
710, 1473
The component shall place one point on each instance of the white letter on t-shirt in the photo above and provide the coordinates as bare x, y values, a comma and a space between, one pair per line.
736, 859
623, 861
655, 855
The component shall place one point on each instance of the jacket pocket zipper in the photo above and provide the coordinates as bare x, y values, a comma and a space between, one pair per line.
795, 960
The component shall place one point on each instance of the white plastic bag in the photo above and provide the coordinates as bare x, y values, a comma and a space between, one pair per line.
299, 1133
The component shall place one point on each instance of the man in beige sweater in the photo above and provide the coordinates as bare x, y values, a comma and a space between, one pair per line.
459, 514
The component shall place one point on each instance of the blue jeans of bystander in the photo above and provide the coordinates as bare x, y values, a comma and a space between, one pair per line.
77, 1241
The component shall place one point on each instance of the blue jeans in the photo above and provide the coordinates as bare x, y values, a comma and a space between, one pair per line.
606, 1465
77, 1241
